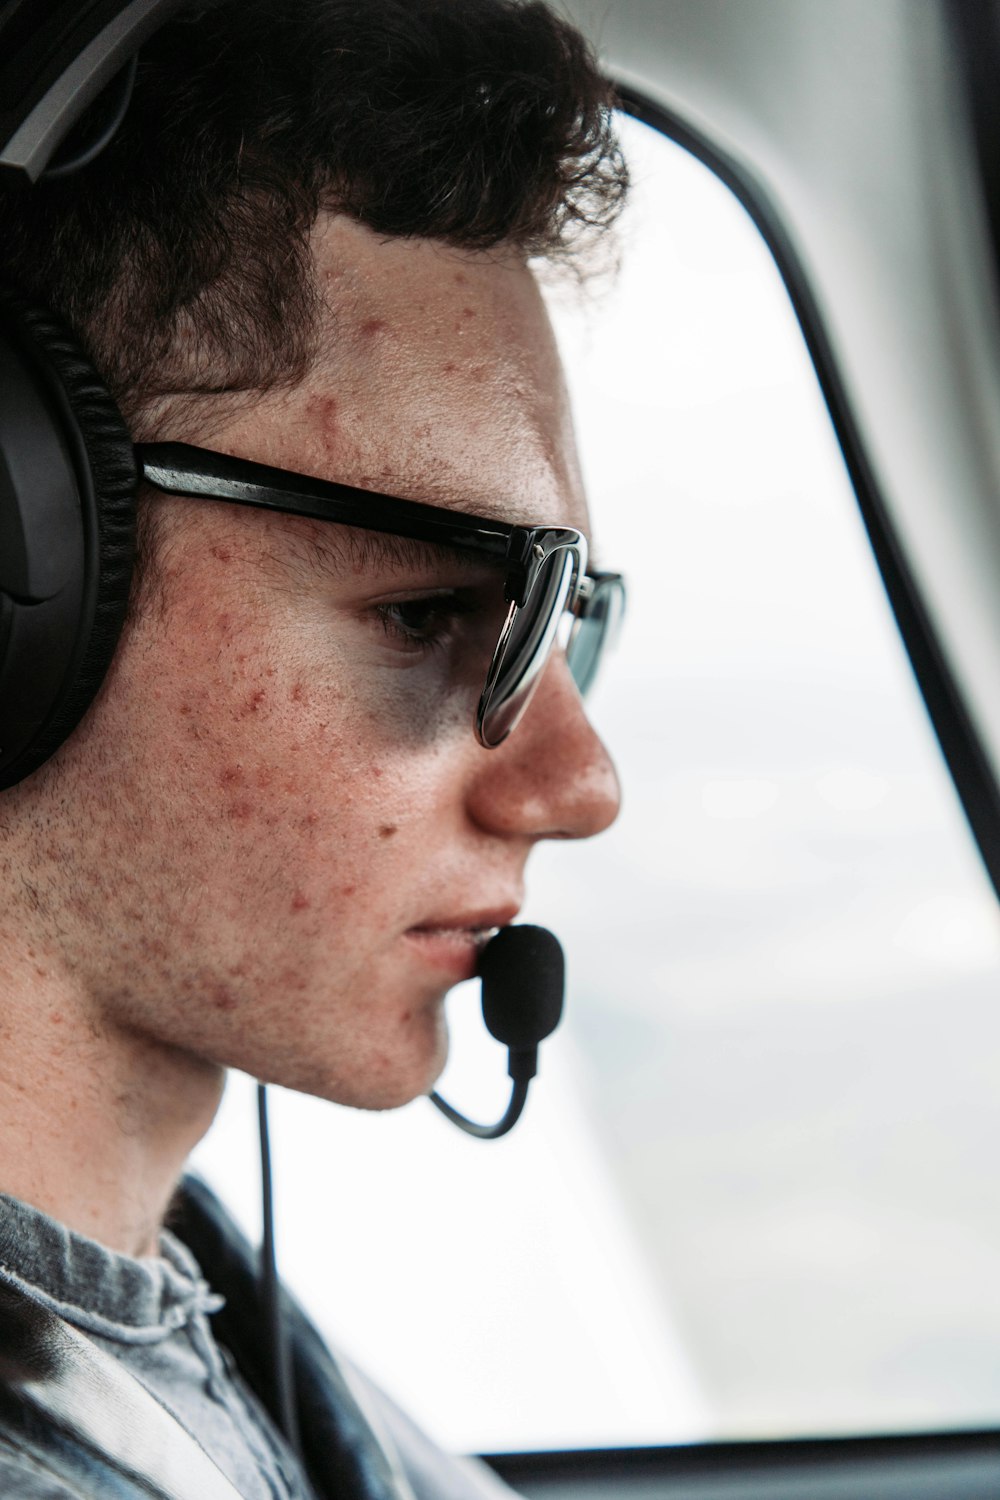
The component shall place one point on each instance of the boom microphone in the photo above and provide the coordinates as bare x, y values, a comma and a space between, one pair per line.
523, 973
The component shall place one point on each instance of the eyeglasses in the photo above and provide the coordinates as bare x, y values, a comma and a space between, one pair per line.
546, 580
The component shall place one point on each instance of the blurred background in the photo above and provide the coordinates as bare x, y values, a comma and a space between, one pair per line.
754, 1191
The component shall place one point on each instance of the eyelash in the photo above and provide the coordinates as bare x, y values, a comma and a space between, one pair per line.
441, 611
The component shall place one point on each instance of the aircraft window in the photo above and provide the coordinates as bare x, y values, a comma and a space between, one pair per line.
753, 1193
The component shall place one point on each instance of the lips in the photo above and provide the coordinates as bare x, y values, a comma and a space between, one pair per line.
478, 935
453, 943
480, 919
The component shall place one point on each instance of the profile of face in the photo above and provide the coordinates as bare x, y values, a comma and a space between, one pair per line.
284, 843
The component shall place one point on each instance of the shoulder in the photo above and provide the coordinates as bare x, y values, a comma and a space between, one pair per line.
430, 1472
23, 1477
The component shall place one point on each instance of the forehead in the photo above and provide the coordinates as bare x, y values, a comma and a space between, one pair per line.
436, 378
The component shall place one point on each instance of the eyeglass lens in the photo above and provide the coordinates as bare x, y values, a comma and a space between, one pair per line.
529, 636
594, 629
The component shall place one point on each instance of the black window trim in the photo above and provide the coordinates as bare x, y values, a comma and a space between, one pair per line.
948, 1465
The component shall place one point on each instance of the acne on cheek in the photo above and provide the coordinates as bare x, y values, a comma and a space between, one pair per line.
322, 408
255, 701
240, 812
152, 948
290, 982
263, 735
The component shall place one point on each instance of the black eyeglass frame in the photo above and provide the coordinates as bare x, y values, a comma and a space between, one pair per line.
200, 473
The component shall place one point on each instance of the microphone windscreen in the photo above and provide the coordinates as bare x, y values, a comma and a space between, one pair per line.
524, 974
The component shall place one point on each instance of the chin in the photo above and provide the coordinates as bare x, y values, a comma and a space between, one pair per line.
379, 1094
381, 1079
413, 1082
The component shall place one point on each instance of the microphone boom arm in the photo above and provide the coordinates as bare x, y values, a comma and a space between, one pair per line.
510, 1117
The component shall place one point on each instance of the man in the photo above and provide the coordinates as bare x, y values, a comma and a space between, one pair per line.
275, 840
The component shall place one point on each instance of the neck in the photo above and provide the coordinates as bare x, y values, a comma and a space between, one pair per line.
96, 1121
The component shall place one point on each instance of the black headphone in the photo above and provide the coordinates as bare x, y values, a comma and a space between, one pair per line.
67, 470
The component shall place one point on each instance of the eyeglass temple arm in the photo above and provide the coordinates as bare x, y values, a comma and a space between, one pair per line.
198, 473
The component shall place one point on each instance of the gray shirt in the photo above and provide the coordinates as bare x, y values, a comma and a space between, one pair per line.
152, 1315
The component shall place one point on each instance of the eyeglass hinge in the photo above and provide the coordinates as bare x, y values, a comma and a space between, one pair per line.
523, 555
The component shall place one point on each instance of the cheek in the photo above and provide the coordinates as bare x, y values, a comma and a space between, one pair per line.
261, 833
287, 768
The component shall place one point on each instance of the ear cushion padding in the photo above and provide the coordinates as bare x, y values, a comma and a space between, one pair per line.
107, 474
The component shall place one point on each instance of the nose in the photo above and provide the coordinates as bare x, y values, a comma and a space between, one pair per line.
552, 778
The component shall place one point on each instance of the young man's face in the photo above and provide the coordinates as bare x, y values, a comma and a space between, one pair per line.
287, 842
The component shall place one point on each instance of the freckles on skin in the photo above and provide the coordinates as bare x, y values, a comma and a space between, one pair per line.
307, 791
321, 409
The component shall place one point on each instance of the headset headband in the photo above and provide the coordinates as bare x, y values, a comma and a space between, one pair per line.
57, 59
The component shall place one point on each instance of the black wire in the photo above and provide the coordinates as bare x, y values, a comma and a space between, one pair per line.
518, 1095
282, 1375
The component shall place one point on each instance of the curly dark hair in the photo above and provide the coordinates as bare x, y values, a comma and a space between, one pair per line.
180, 255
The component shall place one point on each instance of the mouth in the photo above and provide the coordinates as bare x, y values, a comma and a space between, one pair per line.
455, 945
479, 936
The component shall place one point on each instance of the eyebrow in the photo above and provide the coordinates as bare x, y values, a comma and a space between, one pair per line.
348, 548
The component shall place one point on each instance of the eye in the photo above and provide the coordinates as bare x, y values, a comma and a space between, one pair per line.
428, 620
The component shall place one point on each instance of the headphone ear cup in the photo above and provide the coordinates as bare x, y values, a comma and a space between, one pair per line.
69, 489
